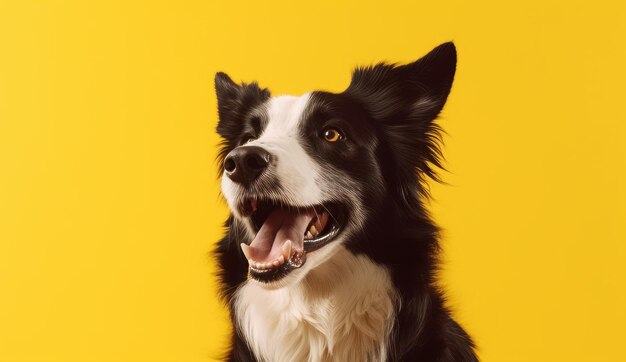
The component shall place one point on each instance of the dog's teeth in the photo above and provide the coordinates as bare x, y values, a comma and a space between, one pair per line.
286, 249
309, 235
313, 230
246, 250
269, 265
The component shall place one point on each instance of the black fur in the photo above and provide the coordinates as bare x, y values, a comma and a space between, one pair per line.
234, 103
389, 112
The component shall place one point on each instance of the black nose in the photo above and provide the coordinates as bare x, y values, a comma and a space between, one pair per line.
244, 164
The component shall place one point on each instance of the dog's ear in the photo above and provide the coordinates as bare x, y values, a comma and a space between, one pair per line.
225, 89
412, 92
405, 100
234, 101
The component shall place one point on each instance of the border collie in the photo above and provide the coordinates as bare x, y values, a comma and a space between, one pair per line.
330, 254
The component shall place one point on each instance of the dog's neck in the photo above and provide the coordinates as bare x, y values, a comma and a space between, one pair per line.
342, 310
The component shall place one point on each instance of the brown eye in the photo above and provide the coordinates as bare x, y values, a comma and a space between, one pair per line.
332, 135
247, 139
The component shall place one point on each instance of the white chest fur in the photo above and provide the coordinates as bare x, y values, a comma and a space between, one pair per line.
341, 311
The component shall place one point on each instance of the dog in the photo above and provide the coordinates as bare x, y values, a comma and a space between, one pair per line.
330, 253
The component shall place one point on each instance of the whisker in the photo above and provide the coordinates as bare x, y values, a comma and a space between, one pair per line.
330, 214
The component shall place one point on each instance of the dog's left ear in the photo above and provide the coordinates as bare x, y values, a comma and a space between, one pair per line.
416, 91
405, 100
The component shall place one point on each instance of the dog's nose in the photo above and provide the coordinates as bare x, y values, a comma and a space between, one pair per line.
244, 164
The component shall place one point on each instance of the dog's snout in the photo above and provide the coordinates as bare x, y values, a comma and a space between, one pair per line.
244, 164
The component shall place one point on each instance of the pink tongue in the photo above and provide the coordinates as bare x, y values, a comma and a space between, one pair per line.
281, 225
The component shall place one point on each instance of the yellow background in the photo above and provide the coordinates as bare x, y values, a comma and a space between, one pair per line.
109, 202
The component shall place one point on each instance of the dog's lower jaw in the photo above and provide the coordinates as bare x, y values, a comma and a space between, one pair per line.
341, 311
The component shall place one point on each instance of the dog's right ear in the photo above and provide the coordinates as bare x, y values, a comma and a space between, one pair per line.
234, 101
225, 88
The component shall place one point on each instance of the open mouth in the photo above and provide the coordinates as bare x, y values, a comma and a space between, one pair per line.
285, 234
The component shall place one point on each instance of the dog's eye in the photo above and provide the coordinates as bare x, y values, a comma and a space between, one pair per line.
247, 139
332, 135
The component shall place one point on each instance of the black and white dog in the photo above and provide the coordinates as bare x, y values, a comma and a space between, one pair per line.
330, 254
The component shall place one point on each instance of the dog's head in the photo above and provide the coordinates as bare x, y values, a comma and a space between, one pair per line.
304, 174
